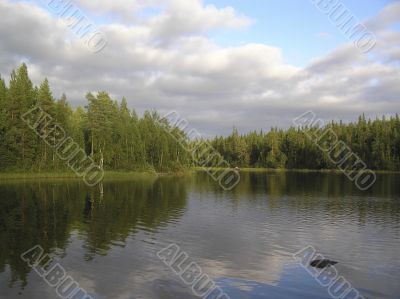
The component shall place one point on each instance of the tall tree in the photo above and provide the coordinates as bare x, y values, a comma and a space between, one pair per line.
6, 156
19, 138
46, 102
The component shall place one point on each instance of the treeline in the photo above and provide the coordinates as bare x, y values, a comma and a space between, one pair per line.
107, 131
376, 142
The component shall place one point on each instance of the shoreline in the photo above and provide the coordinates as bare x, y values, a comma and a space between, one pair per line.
108, 175
260, 169
115, 174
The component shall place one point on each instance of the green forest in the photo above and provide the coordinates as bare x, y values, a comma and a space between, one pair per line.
106, 128
103, 127
376, 142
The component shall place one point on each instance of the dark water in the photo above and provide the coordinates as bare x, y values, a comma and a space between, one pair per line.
243, 239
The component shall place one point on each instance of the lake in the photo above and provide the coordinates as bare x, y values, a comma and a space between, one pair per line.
243, 239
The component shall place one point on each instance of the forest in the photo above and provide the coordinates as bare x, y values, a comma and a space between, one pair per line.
106, 128
375, 142
103, 127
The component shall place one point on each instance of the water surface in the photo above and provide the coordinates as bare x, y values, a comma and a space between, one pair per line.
243, 239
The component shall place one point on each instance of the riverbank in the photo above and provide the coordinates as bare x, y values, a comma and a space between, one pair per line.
111, 175
253, 169
108, 175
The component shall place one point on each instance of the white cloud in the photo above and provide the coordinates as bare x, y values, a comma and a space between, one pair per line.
166, 61
123, 9
175, 17
388, 16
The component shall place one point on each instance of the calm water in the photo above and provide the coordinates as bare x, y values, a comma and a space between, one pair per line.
243, 239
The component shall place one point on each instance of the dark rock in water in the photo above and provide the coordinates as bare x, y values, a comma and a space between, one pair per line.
322, 263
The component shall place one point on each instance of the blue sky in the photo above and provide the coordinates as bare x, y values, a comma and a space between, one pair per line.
209, 64
292, 25
296, 26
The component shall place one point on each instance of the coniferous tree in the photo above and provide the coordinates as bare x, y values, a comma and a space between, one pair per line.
118, 138
6, 156
19, 138
46, 102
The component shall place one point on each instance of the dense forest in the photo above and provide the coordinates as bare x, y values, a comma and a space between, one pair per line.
125, 141
376, 142
103, 127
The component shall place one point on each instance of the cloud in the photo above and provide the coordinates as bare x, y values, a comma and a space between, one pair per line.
166, 61
175, 17
387, 17
182, 17
121, 9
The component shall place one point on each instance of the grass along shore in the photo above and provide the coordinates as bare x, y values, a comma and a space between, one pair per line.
109, 175
70, 175
257, 169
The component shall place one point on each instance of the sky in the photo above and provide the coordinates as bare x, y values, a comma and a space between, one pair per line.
297, 27
252, 64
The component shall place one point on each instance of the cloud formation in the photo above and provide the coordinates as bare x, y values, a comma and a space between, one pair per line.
159, 56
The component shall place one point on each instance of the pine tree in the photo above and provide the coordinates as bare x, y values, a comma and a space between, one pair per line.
19, 138
6, 156
102, 115
116, 137
46, 102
